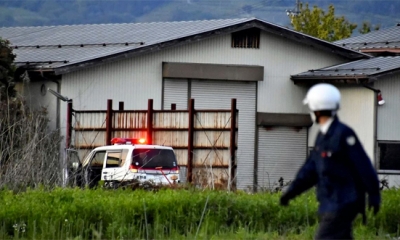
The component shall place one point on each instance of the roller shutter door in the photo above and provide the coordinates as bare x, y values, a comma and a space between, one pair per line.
281, 152
218, 95
175, 91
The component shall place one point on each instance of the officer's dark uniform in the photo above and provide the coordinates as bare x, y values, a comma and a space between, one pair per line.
343, 174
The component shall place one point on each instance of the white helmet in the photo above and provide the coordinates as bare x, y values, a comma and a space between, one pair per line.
322, 97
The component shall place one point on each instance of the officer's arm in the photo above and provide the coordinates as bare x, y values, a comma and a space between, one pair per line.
305, 179
363, 167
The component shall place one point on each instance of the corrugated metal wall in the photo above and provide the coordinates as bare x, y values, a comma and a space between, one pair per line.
38, 97
217, 94
281, 152
135, 80
388, 118
357, 111
175, 91
283, 58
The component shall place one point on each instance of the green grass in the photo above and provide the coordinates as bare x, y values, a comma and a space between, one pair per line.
172, 214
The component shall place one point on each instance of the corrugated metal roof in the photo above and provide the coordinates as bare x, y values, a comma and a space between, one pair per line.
60, 47
361, 68
381, 39
113, 35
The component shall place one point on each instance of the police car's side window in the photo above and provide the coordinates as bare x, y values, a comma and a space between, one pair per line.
123, 157
97, 159
113, 159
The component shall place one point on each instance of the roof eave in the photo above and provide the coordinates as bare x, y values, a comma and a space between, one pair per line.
344, 79
380, 50
313, 41
374, 77
360, 79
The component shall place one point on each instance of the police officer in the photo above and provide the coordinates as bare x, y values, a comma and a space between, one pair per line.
338, 167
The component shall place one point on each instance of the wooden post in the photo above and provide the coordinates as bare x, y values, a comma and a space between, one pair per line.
121, 106
232, 143
69, 124
190, 141
149, 137
109, 122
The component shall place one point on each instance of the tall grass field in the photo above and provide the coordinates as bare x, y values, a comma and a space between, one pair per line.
73, 213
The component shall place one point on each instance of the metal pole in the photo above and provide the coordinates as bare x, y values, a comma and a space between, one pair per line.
69, 124
149, 137
109, 122
68, 143
190, 141
232, 143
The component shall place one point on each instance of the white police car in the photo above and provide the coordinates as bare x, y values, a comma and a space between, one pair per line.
130, 161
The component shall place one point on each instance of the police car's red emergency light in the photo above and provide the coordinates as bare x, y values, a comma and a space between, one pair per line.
119, 141
115, 141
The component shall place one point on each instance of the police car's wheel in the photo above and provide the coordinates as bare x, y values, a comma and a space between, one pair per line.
115, 185
107, 184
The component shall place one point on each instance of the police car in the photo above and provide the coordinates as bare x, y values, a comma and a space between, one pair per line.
129, 161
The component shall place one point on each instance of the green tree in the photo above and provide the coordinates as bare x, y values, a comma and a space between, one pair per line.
367, 26
7, 70
318, 23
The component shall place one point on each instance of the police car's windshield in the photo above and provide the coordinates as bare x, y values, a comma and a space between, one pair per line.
153, 158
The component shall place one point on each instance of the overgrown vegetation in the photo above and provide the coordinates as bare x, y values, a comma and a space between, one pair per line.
173, 214
29, 152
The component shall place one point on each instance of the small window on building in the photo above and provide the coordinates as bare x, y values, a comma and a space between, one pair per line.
249, 38
389, 156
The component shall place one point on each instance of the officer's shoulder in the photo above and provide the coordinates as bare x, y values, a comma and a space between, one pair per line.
345, 130
347, 134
